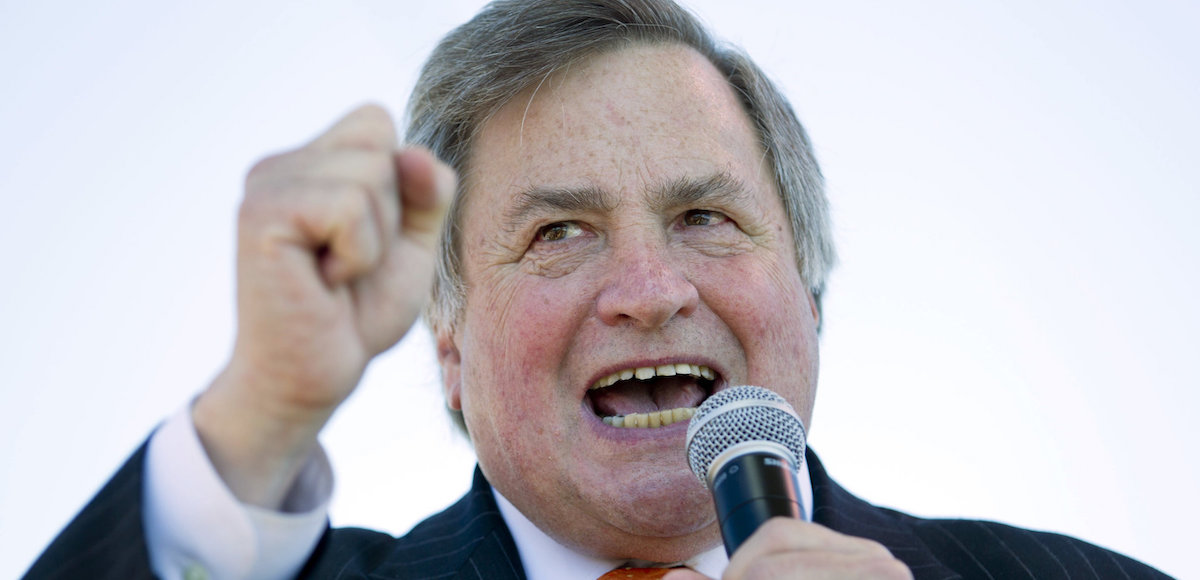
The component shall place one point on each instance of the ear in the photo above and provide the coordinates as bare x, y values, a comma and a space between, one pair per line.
450, 360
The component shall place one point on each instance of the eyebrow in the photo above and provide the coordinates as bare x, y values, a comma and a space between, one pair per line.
540, 200
721, 187
716, 187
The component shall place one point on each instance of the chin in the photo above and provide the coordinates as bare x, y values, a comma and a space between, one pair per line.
656, 536
665, 505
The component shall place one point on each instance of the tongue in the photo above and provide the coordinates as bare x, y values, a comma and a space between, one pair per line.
657, 394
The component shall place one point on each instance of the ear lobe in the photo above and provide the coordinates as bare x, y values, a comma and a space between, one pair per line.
451, 362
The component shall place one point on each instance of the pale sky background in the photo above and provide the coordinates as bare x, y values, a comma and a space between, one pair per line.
1011, 334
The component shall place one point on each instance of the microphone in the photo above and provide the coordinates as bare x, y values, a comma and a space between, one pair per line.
746, 444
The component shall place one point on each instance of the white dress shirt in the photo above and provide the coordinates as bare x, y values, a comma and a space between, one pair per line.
196, 527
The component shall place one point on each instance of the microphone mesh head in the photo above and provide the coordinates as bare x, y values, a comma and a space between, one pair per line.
739, 414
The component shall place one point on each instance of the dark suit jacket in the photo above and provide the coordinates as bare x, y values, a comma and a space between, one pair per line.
470, 541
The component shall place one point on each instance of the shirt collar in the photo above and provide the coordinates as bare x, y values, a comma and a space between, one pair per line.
545, 559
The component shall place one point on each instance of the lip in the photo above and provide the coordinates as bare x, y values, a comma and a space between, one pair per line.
631, 435
719, 383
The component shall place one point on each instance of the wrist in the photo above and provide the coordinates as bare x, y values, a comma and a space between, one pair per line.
257, 443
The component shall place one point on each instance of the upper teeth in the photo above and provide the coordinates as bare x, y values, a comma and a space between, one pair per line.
668, 370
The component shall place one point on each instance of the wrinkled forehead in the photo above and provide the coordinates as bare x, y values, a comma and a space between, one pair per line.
616, 122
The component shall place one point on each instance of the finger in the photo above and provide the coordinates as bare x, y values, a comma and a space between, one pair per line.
355, 242
367, 127
334, 221
786, 534
426, 188
818, 565
372, 170
364, 165
798, 539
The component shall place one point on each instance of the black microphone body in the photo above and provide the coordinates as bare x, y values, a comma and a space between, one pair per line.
745, 444
750, 489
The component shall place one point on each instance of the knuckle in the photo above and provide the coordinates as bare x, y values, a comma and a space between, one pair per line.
265, 167
351, 200
368, 127
872, 548
380, 168
353, 213
377, 115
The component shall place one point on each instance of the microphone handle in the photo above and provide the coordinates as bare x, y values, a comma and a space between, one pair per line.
751, 488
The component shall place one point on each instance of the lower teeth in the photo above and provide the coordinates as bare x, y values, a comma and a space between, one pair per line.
651, 420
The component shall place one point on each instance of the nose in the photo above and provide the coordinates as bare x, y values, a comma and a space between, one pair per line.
645, 288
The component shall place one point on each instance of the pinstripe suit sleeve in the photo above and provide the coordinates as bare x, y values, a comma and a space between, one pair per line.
467, 541
946, 549
106, 540
977, 549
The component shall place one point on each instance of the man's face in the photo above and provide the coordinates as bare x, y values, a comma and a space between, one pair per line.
621, 216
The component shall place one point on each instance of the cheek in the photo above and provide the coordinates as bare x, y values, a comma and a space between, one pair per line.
520, 333
542, 316
513, 379
767, 309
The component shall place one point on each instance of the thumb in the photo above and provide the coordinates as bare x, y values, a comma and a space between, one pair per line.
426, 187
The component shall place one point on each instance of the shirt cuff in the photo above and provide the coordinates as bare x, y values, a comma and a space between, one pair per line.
195, 526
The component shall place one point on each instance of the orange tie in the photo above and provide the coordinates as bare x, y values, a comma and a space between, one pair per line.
636, 573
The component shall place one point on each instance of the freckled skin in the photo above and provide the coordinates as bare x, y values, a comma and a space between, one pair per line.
548, 314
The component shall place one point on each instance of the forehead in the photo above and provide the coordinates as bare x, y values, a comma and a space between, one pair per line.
620, 122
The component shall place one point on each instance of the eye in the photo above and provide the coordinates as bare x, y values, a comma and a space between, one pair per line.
558, 231
703, 217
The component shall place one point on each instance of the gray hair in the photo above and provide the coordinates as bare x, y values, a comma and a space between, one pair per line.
514, 44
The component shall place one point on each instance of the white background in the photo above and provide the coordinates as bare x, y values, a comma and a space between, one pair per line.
1011, 333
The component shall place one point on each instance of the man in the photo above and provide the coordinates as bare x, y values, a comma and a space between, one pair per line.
638, 223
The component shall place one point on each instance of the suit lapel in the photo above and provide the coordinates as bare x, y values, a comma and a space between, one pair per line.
468, 541
837, 509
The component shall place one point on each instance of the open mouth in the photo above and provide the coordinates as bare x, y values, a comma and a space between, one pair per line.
649, 397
